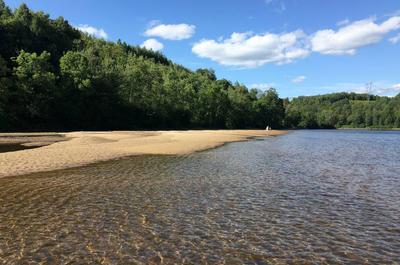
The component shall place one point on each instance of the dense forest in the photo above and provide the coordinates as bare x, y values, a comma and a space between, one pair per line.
54, 77
341, 110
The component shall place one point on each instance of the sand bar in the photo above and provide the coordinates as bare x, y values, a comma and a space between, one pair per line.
82, 148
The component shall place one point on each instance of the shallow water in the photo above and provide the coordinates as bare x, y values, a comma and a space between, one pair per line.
13, 147
309, 197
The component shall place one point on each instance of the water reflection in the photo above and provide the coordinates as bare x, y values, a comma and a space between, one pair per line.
308, 197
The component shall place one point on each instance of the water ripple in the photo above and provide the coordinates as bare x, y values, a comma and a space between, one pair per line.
310, 197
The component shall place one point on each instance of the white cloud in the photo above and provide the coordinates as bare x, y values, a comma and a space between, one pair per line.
385, 90
397, 87
152, 44
262, 86
347, 39
249, 50
380, 88
171, 31
299, 79
395, 39
99, 33
253, 50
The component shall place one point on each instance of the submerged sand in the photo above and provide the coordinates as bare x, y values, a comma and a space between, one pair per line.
81, 148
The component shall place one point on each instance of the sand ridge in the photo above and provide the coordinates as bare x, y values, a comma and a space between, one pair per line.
88, 147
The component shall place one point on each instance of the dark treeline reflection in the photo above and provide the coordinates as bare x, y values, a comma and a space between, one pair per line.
53, 77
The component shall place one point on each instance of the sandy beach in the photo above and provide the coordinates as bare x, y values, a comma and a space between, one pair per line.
81, 148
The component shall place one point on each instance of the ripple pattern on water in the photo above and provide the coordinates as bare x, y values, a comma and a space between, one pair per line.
309, 197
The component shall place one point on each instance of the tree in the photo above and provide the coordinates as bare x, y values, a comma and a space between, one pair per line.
270, 109
35, 87
74, 67
5, 84
55, 77
208, 73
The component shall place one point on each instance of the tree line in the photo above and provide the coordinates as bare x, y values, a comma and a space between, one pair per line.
341, 110
54, 77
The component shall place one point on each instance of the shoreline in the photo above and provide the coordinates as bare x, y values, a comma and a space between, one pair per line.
369, 129
32, 139
74, 149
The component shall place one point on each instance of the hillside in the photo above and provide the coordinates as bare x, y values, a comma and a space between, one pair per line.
54, 77
343, 110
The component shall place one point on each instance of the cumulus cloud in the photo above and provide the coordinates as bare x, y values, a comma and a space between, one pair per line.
249, 50
99, 33
299, 79
152, 44
395, 39
171, 31
253, 50
347, 39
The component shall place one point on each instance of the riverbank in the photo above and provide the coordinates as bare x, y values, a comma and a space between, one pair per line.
369, 129
82, 148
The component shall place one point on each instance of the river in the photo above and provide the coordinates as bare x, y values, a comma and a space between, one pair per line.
308, 197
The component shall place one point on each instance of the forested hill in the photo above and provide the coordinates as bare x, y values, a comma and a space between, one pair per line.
340, 110
54, 77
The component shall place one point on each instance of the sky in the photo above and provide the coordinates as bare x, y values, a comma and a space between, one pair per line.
299, 47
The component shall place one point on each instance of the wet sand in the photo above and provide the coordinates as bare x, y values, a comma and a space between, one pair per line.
31, 139
81, 148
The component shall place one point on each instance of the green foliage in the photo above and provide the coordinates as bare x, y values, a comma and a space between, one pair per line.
53, 77
208, 73
343, 110
34, 32
35, 87
270, 109
63, 79
5, 84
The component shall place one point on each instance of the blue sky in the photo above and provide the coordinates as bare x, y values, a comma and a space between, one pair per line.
300, 47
